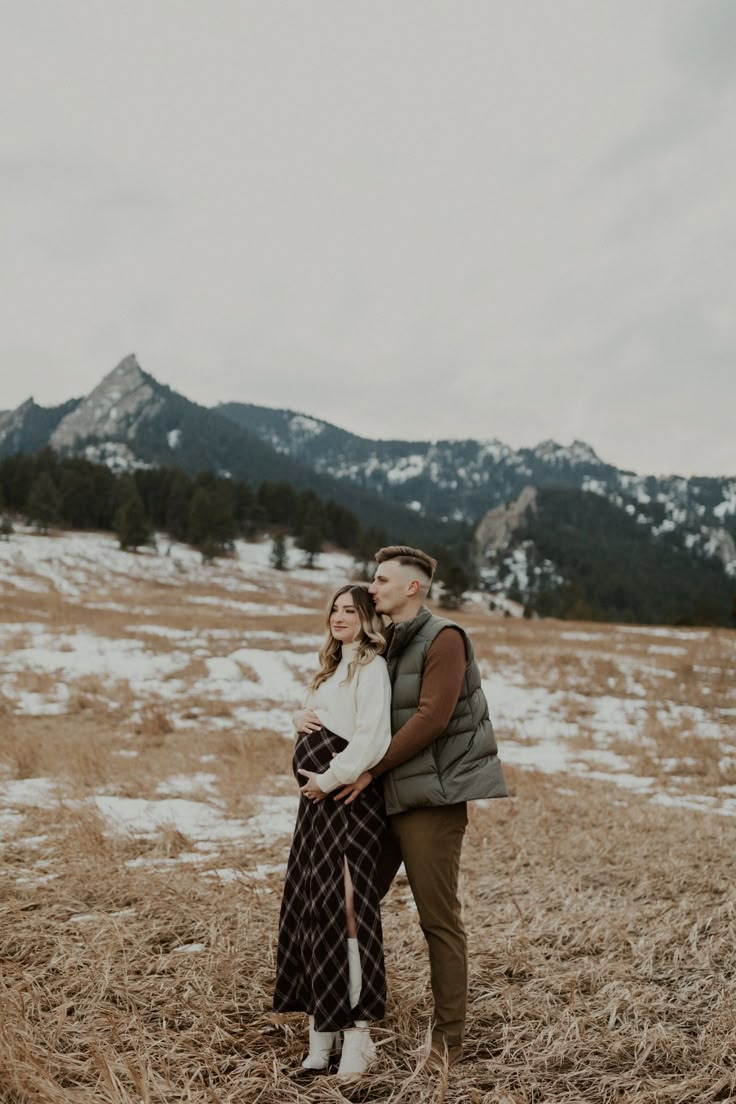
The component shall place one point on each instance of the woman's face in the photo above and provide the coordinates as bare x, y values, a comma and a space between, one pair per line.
344, 619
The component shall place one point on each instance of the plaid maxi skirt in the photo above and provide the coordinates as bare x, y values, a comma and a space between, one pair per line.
312, 955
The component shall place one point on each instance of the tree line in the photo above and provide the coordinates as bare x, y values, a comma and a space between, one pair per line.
207, 511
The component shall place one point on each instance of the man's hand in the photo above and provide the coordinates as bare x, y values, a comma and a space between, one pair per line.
311, 788
306, 720
349, 793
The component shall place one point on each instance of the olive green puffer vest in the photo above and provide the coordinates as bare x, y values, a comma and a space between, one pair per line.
462, 763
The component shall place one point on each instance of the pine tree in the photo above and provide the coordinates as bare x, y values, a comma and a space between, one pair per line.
455, 581
364, 548
201, 523
279, 555
132, 527
6, 527
211, 522
178, 501
44, 502
311, 542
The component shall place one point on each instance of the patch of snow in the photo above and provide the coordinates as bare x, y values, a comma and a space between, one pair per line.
263, 870
582, 636
652, 630
728, 505
140, 816
33, 792
276, 818
188, 783
409, 467
82, 653
251, 609
703, 803
173, 438
224, 874
594, 486
9, 822
35, 879
302, 426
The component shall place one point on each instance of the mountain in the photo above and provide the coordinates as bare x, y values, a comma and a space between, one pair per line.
463, 480
131, 420
539, 522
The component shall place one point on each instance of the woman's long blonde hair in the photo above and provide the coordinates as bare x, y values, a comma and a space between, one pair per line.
370, 639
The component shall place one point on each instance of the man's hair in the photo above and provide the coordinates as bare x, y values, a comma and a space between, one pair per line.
412, 557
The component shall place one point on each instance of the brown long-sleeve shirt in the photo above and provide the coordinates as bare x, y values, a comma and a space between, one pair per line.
442, 681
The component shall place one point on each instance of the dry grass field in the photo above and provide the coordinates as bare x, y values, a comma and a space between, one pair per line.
146, 803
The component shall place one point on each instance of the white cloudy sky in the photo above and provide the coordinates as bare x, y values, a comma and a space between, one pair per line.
413, 218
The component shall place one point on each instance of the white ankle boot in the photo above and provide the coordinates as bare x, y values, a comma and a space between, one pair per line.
320, 1046
358, 1049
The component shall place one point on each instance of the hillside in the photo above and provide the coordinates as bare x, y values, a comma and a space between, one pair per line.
573, 554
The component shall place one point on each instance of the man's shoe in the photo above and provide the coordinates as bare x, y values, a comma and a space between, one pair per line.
441, 1056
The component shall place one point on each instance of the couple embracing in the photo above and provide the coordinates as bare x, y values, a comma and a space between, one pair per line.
394, 739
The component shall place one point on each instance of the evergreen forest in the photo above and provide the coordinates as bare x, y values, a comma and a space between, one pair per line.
611, 568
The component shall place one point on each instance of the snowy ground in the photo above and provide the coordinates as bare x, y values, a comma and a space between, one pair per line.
226, 649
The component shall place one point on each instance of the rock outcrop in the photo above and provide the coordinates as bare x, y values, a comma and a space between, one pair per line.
496, 528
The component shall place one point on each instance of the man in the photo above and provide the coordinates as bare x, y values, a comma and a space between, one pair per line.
442, 754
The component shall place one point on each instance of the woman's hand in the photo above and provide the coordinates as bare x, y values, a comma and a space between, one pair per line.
306, 720
311, 788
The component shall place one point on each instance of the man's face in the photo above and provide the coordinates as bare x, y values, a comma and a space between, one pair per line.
392, 587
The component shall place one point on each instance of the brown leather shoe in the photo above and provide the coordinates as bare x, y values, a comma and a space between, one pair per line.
441, 1056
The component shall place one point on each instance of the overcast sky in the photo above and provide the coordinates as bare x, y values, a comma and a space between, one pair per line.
416, 219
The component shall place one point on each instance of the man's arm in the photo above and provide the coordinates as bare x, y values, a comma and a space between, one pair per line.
442, 681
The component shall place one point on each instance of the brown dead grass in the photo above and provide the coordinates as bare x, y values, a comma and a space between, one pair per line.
603, 967
601, 926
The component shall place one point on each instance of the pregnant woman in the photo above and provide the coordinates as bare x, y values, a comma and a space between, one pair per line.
330, 945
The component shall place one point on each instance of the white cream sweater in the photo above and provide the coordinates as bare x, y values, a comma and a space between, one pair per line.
359, 712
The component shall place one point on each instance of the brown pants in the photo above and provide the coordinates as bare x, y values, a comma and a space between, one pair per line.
429, 841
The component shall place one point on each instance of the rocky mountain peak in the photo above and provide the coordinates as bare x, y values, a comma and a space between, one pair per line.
579, 452
113, 409
128, 373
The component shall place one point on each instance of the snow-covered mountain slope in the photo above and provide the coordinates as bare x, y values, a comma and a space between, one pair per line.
465, 479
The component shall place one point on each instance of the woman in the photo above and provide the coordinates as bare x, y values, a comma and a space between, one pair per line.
330, 947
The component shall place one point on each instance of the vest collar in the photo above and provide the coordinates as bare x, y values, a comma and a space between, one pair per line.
404, 631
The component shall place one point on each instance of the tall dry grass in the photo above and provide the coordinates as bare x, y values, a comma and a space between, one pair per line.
601, 926
603, 968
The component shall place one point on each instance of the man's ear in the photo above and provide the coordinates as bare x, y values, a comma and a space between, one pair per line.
413, 587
